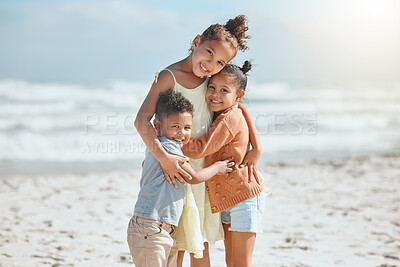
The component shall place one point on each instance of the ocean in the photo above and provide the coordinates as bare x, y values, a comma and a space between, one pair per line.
56, 127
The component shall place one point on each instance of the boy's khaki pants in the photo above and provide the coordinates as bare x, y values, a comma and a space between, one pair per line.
152, 243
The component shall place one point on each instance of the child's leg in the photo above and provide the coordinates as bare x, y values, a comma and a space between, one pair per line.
150, 242
203, 262
241, 223
228, 245
173, 256
243, 247
239, 247
181, 254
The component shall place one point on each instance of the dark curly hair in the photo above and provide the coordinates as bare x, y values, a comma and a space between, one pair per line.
238, 73
234, 32
170, 102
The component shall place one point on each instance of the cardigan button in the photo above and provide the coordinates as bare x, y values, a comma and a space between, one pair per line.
207, 188
217, 194
218, 185
214, 208
223, 198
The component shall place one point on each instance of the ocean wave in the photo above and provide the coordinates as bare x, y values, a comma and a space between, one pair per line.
69, 146
53, 121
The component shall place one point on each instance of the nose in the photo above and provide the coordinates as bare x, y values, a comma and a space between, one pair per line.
209, 65
215, 93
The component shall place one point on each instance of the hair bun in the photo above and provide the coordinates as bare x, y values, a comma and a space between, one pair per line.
246, 67
237, 27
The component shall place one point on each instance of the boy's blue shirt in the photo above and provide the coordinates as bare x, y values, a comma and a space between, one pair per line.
158, 199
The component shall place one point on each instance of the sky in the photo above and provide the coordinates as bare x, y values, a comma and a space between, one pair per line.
307, 41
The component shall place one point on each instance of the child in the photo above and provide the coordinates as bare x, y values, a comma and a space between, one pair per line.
151, 230
239, 196
210, 52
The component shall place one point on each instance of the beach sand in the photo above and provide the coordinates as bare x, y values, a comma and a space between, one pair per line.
343, 212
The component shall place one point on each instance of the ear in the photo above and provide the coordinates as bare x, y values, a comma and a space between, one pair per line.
196, 42
157, 126
239, 95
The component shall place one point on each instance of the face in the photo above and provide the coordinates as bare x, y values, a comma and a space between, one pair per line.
222, 92
210, 56
177, 127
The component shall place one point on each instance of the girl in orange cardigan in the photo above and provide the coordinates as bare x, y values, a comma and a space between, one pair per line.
209, 53
240, 195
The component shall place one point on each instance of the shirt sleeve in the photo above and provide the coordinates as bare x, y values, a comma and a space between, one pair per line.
171, 146
218, 135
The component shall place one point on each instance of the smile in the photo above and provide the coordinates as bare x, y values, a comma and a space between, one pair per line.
202, 68
215, 102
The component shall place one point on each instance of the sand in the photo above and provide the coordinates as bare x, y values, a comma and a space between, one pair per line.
343, 212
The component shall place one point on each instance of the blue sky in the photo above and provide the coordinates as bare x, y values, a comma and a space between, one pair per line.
292, 41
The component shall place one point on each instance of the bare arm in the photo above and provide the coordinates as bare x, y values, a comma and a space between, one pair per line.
169, 162
254, 139
202, 175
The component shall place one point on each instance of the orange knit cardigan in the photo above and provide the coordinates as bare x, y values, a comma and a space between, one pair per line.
227, 137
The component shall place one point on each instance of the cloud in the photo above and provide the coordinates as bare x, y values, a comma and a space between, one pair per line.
85, 40
121, 39
121, 14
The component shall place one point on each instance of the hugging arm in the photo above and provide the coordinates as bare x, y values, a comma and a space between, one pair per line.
254, 154
202, 175
169, 162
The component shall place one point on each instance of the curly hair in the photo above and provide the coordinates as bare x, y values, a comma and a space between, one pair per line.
238, 73
234, 31
170, 102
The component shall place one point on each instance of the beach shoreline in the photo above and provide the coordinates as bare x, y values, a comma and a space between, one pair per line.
334, 212
11, 168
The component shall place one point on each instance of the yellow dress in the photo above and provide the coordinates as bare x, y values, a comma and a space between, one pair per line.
197, 224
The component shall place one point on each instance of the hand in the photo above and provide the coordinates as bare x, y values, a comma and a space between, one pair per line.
172, 169
251, 160
225, 166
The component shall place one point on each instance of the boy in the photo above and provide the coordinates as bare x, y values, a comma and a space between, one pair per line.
151, 231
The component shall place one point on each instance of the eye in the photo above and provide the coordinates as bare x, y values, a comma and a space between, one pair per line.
175, 126
211, 87
188, 128
220, 63
224, 90
209, 52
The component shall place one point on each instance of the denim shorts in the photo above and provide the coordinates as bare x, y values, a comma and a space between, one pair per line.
246, 216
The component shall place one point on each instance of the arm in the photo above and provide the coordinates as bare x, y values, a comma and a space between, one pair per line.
202, 175
217, 136
169, 162
254, 154
254, 139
